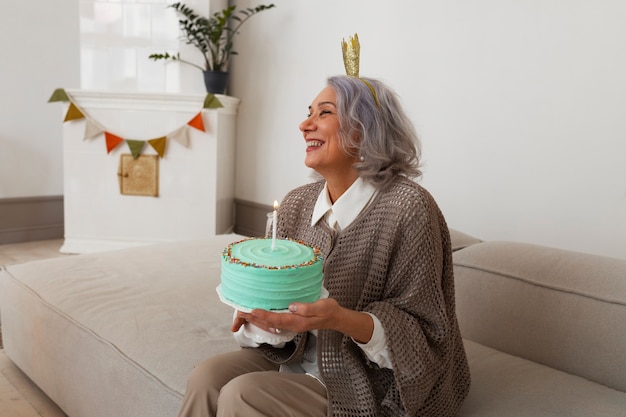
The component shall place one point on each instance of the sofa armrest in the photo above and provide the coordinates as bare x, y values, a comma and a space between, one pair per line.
461, 240
559, 308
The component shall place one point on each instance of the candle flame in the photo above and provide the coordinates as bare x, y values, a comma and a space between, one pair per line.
275, 204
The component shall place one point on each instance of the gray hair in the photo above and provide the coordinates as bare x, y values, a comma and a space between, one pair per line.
376, 129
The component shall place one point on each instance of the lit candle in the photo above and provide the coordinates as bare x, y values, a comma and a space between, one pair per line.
274, 221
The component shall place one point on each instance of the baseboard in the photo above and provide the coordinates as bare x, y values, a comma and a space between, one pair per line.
41, 218
250, 218
31, 218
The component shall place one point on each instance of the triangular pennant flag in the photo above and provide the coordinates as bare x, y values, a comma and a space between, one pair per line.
158, 145
135, 146
73, 113
92, 129
112, 141
212, 102
197, 122
58, 95
180, 135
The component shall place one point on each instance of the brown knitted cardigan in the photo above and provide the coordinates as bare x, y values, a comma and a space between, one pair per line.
395, 262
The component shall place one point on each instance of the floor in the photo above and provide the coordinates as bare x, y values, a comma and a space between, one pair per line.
19, 397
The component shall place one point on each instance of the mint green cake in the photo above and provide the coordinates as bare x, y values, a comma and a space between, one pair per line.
255, 275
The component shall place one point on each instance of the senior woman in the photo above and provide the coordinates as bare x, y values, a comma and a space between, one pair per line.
386, 341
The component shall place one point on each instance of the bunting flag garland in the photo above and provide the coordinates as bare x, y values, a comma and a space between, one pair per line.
181, 136
211, 102
94, 129
158, 145
112, 141
197, 122
58, 95
135, 146
73, 113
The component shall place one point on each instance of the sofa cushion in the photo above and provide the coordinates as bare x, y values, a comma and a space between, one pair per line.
562, 309
117, 333
504, 385
461, 240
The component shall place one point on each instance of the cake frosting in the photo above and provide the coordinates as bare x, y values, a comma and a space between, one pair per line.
255, 275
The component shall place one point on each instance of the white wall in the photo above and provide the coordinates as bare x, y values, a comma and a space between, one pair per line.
521, 106
39, 45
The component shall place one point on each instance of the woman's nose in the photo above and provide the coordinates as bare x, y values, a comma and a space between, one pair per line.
306, 125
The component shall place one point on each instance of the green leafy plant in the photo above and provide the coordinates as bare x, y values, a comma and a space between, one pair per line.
213, 36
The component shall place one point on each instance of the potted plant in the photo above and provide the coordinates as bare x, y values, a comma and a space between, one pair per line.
213, 36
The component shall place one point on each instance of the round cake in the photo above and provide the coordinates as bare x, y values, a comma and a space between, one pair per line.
255, 275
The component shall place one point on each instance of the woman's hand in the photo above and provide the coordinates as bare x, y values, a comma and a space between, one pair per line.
237, 322
322, 314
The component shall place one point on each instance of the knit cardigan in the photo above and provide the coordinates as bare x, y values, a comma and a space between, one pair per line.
394, 261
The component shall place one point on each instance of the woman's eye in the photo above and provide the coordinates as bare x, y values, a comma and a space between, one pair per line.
322, 112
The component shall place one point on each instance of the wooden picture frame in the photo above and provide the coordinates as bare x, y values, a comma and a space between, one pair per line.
139, 176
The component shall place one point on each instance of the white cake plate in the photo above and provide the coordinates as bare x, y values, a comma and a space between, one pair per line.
257, 334
324, 294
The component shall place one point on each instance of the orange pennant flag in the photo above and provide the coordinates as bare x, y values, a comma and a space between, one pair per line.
197, 122
112, 141
158, 145
73, 113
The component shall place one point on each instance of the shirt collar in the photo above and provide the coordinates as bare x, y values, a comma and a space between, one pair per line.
347, 207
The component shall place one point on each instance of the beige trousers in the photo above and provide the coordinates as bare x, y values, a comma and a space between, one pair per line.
244, 383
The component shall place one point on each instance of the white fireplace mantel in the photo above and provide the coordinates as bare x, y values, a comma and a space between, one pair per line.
149, 101
196, 182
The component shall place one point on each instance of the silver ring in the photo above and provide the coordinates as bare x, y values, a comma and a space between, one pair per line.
277, 331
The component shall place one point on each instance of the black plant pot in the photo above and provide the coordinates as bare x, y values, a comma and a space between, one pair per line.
215, 81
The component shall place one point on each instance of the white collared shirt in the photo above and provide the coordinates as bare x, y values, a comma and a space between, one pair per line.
347, 207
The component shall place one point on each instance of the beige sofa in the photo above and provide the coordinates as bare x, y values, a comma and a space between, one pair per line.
117, 333
544, 330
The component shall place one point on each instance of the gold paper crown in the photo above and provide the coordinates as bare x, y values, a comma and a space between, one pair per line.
351, 55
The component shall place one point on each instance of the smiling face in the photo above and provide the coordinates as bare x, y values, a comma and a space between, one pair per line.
320, 129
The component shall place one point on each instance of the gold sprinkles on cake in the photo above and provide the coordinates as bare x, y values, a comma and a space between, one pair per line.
227, 254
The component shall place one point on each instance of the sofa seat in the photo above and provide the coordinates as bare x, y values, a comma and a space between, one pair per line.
504, 385
117, 333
